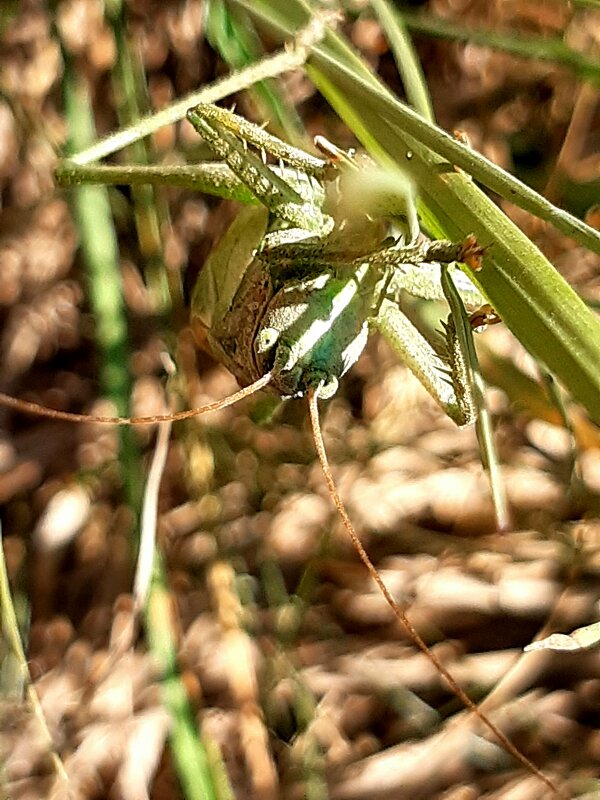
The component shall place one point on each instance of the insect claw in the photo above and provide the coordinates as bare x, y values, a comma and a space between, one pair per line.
482, 317
472, 252
327, 387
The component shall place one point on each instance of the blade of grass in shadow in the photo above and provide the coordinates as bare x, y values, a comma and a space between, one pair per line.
531, 397
198, 764
528, 293
92, 213
14, 668
540, 48
576, 485
290, 614
150, 212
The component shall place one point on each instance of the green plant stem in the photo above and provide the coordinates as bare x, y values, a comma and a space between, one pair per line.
150, 212
418, 96
215, 179
406, 59
483, 423
231, 33
98, 243
336, 60
9, 630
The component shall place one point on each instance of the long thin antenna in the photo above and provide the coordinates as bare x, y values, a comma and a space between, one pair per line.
26, 407
398, 612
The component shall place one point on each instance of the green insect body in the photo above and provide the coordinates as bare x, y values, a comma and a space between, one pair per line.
306, 331
312, 262
267, 295
292, 291
303, 274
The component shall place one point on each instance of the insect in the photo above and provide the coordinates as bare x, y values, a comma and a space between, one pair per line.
298, 300
287, 298
276, 256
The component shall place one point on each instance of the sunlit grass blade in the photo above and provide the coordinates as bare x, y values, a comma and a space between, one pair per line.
483, 422
273, 65
407, 62
418, 95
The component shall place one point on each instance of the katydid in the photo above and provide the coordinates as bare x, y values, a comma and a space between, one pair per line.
293, 243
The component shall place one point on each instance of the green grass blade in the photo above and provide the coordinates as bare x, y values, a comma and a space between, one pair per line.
100, 251
209, 178
150, 212
98, 243
418, 96
14, 668
335, 57
269, 67
407, 62
529, 294
483, 423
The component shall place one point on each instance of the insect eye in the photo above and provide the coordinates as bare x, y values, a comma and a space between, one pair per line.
266, 339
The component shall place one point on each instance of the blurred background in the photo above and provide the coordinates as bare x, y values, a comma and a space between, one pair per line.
267, 635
